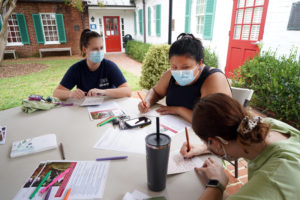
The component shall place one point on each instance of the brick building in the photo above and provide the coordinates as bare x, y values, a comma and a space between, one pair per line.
41, 24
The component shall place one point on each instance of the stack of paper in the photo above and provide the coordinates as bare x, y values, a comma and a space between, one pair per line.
92, 101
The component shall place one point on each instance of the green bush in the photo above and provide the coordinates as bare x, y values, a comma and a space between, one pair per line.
276, 84
136, 49
210, 58
156, 62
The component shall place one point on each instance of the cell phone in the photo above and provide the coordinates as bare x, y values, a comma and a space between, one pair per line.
137, 122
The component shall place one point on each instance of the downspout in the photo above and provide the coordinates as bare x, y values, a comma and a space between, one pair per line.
144, 20
170, 21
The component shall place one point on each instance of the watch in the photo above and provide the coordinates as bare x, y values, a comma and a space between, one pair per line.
216, 184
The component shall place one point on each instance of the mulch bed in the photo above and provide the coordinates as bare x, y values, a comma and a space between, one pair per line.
12, 70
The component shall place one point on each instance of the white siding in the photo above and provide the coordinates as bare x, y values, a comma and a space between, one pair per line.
126, 13
276, 35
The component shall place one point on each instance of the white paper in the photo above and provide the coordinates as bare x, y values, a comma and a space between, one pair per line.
173, 123
177, 164
92, 101
135, 195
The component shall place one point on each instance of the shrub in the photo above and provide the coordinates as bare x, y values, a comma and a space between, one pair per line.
210, 58
276, 82
136, 49
156, 62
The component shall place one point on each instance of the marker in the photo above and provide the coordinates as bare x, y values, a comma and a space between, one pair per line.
40, 185
48, 193
112, 158
187, 140
142, 99
55, 180
68, 194
104, 120
62, 153
110, 119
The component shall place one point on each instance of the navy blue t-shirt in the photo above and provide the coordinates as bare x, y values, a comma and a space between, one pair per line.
108, 75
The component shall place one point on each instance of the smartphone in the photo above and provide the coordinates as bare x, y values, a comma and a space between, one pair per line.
137, 122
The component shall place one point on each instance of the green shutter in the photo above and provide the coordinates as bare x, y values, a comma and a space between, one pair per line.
61, 28
187, 27
141, 21
149, 21
158, 17
0, 23
38, 28
135, 23
209, 19
23, 28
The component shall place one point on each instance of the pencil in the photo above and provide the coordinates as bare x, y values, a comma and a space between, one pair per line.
187, 140
40, 185
68, 194
62, 153
142, 99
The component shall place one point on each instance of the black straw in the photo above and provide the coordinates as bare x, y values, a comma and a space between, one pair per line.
157, 128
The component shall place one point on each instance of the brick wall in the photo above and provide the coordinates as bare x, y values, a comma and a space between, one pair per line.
71, 16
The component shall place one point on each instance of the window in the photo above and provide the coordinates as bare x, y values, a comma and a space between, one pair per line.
294, 20
101, 26
153, 18
49, 27
14, 37
200, 13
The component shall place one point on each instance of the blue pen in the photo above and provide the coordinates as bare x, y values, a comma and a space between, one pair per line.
112, 158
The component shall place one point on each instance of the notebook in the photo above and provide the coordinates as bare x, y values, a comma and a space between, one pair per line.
33, 145
92, 101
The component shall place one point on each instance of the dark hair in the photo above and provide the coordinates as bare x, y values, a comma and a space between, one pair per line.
85, 37
187, 45
220, 115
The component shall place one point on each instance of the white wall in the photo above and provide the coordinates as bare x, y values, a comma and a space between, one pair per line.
276, 35
126, 13
153, 39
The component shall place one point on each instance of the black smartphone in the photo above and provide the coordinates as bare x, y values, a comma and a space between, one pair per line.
137, 122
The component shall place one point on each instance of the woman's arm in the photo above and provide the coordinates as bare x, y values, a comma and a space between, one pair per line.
122, 91
64, 93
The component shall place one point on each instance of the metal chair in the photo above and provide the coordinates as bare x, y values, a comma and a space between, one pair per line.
243, 96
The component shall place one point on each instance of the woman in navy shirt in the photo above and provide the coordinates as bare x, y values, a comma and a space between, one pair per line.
188, 79
93, 75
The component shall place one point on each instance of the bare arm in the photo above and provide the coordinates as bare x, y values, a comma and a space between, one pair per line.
119, 92
211, 194
215, 83
64, 93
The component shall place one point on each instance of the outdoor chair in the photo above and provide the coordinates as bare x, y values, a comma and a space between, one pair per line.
243, 96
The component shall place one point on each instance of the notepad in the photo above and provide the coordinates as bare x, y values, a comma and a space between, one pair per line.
33, 145
92, 101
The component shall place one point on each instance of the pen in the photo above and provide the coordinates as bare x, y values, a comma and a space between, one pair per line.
98, 94
142, 99
55, 180
40, 185
110, 119
61, 148
112, 158
104, 120
187, 140
48, 193
68, 194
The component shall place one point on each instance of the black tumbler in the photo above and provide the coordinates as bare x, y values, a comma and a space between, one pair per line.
157, 153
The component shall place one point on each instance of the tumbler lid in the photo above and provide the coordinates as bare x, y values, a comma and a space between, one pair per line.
164, 139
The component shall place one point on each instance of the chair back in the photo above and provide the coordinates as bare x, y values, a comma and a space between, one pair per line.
242, 95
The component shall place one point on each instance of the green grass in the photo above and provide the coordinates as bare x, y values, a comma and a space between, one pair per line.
13, 90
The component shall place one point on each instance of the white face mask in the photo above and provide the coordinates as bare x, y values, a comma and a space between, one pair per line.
225, 156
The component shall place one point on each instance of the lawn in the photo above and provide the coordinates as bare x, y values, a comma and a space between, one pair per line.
14, 90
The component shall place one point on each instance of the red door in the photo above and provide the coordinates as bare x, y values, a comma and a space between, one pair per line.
112, 34
247, 28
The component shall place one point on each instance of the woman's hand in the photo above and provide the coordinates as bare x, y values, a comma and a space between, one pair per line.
213, 170
164, 110
77, 94
142, 107
96, 92
194, 151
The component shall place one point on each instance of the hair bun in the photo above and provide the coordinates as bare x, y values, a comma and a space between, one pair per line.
248, 124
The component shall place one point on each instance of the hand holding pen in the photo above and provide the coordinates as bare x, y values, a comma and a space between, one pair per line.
96, 92
143, 105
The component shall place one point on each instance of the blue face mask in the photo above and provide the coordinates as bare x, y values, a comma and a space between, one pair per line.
183, 77
96, 56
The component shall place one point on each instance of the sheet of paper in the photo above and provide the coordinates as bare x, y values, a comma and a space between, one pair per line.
105, 110
86, 178
173, 123
177, 164
92, 101
135, 195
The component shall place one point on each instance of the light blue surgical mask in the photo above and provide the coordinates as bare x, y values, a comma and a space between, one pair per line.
225, 156
183, 77
96, 56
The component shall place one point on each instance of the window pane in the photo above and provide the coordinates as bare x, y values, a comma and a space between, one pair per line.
249, 3
239, 16
248, 15
259, 2
237, 32
254, 32
245, 32
257, 15
241, 3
